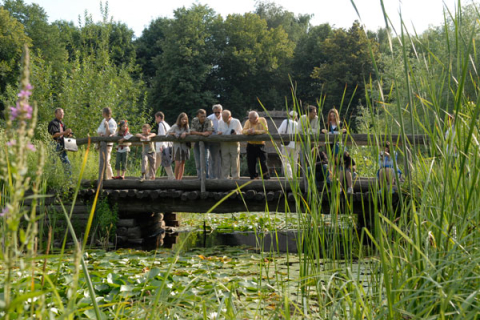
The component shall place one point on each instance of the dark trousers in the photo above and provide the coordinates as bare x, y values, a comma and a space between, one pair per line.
254, 152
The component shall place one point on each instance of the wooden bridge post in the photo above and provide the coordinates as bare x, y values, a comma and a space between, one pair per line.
102, 164
203, 167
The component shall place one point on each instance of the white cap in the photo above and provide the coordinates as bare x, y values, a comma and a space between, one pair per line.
293, 114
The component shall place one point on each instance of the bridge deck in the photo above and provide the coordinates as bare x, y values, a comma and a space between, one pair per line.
161, 195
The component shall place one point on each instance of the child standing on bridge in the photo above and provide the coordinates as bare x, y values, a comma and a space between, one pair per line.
122, 149
148, 153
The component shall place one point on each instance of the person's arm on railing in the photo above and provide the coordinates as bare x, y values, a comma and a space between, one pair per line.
264, 125
238, 127
247, 127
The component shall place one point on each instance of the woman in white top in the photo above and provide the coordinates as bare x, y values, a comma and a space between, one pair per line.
291, 149
107, 128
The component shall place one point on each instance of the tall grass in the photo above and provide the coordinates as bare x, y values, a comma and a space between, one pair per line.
426, 261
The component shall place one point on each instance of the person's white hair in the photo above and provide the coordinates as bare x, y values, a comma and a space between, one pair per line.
217, 106
254, 113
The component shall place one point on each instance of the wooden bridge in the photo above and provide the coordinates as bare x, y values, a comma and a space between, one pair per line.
138, 201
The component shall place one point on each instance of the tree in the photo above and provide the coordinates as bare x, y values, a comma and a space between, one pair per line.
12, 41
295, 26
309, 54
149, 48
45, 37
254, 63
184, 70
348, 66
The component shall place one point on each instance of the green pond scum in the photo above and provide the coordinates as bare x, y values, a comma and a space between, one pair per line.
237, 281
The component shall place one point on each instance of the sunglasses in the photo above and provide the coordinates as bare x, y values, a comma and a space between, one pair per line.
217, 112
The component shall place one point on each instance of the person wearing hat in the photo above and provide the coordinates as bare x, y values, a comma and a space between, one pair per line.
290, 150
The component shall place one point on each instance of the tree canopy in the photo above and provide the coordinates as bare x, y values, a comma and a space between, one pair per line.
198, 58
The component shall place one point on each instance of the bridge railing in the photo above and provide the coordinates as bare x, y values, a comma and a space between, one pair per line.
348, 139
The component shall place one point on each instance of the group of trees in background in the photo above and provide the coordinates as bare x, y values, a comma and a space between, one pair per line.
198, 58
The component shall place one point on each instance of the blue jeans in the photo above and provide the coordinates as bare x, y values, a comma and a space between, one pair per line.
64, 158
196, 154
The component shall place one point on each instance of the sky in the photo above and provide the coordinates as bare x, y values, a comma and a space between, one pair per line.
138, 14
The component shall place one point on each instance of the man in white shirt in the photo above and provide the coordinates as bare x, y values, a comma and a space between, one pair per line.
163, 148
107, 128
290, 150
230, 150
215, 159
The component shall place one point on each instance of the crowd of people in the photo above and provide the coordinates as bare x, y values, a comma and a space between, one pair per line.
222, 160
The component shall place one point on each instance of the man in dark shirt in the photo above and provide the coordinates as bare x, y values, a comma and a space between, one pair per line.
56, 128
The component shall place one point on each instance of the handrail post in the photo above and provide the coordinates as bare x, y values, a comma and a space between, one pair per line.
203, 167
102, 164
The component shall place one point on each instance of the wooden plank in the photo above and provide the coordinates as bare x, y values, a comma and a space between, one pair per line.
194, 184
260, 196
358, 139
193, 195
137, 208
250, 194
184, 196
102, 164
203, 168
270, 196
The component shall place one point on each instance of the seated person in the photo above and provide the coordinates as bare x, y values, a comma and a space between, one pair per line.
347, 170
386, 173
322, 172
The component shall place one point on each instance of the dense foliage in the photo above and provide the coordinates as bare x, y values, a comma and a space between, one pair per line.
193, 60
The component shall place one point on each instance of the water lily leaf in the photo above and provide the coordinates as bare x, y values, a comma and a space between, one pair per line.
126, 288
90, 314
115, 280
153, 273
102, 288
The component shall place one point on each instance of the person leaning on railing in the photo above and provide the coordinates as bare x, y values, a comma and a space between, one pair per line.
308, 123
201, 126
163, 149
256, 149
181, 149
333, 128
215, 163
290, 150
230, 150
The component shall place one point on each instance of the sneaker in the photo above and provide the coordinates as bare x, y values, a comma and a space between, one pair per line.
142, 178
350, 190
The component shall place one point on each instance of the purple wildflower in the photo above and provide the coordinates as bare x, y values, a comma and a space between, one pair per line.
11, 143
24, 93
29, 87
31, 147
4, 211
28, 111
13, 113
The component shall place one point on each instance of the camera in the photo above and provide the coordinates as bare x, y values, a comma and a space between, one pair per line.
232, 131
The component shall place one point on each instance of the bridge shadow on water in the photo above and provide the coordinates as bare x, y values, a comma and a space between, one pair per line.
280, 242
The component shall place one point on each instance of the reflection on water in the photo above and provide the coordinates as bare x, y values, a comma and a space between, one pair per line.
281, 241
